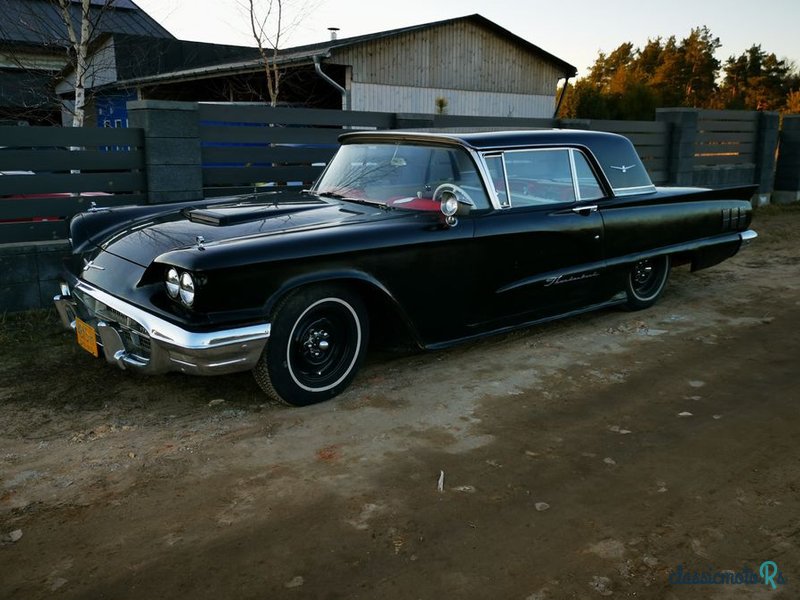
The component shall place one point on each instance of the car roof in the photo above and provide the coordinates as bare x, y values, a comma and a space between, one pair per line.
485, 140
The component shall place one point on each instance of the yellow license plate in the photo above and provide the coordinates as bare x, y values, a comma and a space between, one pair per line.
87, 339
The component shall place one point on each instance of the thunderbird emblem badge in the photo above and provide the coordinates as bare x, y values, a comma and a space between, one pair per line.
623, 168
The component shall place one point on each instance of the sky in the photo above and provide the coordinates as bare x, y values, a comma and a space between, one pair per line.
575, 31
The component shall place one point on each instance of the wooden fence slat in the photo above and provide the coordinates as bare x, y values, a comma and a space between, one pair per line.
70, 136
66, 206
622, 127
710, 161
218, 192
647, 139
17, 233
62, 160
726, 126
293, 116
727, 115
454, 121
243, 176
272, 154
652, 154
715, 137
81, 182
655, 164
725, 149
268, 135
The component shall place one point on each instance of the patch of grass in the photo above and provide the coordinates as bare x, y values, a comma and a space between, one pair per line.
774, 210
26, 326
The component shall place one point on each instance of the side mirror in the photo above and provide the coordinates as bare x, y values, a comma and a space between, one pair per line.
453, 201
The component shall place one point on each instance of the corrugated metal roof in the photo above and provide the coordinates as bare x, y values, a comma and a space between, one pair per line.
139, 56
39, 22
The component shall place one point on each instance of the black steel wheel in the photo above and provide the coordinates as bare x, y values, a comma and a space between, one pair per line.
317, 342
646, 281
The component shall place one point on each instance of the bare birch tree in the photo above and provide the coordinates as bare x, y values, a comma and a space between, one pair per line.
74, 31
271, 22
267, 31
79, 39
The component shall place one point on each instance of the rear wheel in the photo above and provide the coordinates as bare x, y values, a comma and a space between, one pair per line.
646, 282
317, 342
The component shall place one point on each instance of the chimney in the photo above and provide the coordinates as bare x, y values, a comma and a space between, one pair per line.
333, 31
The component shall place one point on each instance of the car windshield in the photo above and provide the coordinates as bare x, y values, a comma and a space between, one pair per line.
401, 175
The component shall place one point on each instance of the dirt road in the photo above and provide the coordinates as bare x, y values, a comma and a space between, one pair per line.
603, 456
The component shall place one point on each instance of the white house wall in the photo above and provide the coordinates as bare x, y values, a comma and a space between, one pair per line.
101, 70
396, 98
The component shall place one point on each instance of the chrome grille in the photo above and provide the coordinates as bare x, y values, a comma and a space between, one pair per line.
134, 336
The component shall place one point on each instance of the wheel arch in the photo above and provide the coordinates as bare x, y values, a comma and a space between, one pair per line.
382, 306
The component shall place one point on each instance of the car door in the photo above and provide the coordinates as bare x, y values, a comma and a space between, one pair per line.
542, 253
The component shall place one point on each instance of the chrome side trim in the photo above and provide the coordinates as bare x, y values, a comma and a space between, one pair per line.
632, 191
483, 174
574, 170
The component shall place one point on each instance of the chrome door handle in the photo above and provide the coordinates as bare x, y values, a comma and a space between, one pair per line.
581, 210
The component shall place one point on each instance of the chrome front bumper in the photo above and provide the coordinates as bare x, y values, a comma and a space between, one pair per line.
748, 236
130, 337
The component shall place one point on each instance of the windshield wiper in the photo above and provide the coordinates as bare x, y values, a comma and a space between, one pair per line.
337, 196
334, 195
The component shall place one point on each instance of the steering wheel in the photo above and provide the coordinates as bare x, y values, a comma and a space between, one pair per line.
460, 195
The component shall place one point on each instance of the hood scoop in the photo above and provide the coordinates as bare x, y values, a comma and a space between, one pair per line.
244, 213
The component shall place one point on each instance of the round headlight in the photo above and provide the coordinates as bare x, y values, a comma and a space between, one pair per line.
187, 289
173, 283
449, 205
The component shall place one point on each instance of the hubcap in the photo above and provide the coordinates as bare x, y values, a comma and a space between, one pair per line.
316, 344
642, 272
647, 277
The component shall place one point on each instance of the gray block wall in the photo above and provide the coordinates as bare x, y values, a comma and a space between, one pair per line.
29, 274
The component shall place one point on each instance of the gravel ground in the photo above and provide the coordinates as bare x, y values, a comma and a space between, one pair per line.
588, 458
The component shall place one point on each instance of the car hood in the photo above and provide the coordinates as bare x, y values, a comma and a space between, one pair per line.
212, 225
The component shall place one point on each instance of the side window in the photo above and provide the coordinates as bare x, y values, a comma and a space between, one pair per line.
539, 177
498, 178
588, 186
465, 175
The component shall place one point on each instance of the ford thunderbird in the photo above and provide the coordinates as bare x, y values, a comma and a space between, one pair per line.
446, 236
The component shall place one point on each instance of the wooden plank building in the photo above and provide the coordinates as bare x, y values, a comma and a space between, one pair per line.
462, 66
475, 66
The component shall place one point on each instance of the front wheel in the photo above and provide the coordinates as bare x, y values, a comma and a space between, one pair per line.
317, 342
646, 282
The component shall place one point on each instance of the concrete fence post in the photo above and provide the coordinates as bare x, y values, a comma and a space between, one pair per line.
766, 145
787, 173
172, 149
683, 134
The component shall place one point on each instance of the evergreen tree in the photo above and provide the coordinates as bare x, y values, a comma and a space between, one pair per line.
630, 83
755, 80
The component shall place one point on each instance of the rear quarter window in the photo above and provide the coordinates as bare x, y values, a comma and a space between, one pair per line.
623, 167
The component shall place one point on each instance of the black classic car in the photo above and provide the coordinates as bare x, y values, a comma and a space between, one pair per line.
450, 237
